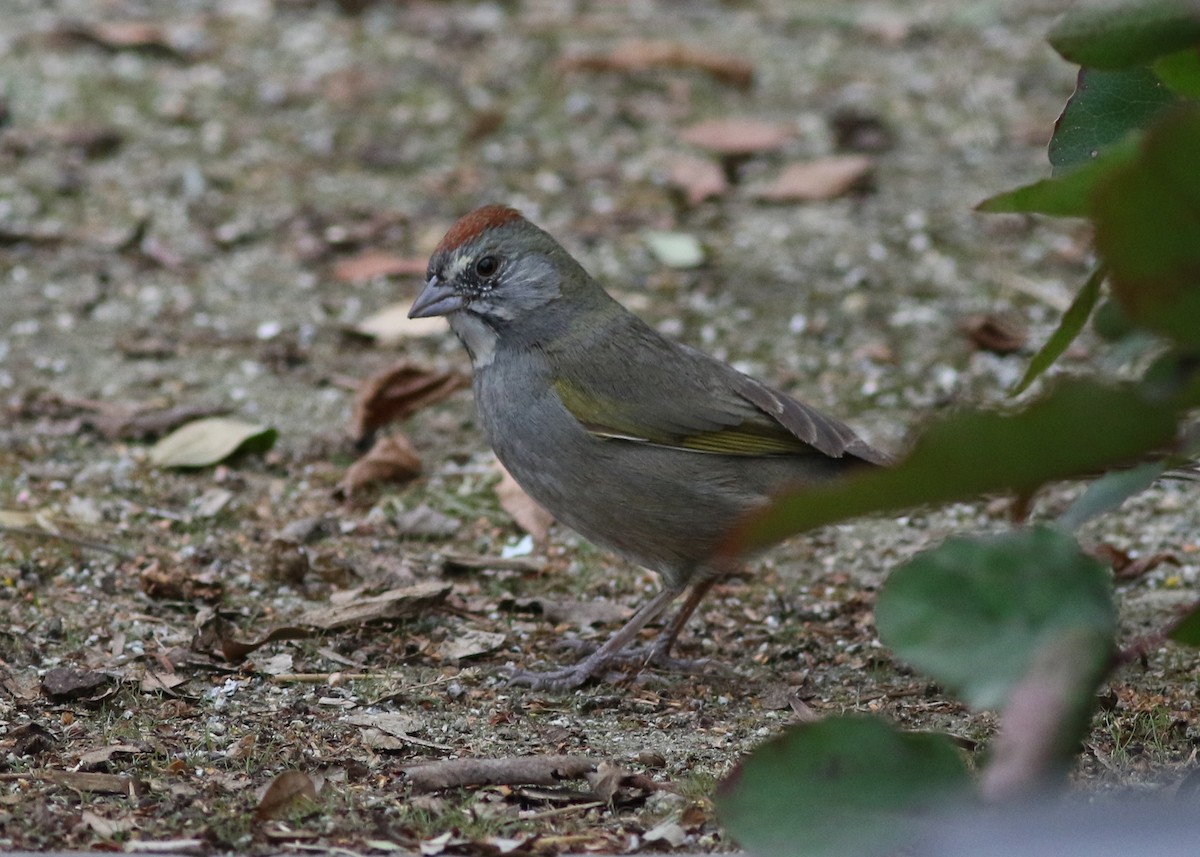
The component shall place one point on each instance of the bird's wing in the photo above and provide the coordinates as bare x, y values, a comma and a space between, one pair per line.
655, 391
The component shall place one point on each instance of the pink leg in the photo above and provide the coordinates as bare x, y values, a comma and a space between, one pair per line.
571, 677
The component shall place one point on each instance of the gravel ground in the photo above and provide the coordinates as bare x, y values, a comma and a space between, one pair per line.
177, 205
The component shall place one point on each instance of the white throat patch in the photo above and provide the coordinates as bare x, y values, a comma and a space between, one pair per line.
476, 335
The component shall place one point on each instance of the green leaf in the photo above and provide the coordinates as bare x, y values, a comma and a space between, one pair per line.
1187, 629
840, 786
1118, 35
1109, 492
1147, 216
1063, 195
209, 441
1068, 328
974, 453
1105, 108
974, 612
1180, 72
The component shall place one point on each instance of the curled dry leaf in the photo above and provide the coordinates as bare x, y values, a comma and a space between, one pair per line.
397, 392
995, 332
525, 511
635, 55
288, 792
469, 644
736, 137
372, 264
391, 459
698, 178
176, 584
823, 178
399, 603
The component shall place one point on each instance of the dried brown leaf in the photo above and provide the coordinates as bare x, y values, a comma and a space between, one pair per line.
823, 178
391, 459
526, 511
995, 332
373, 263
858, 131
396, 393
138, 420
637, 55
736, 137
99, 758
123, 36
114, 784
387, 606
106, 827
64, 684
1126, 567
698, 178
288, 792
606, 779
176, 584
469, 644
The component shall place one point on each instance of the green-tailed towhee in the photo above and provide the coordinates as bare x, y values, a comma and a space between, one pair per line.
644, 446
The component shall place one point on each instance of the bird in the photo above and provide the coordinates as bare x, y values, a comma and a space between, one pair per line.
643, 445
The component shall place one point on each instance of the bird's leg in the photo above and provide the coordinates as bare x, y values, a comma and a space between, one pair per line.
661, 647
571, 677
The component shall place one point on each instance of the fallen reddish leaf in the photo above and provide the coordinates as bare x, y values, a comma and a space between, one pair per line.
1126, 567
398, 392
391, 459
372, 264
176, 584
635, 55
288, 792
526, 511
823, 178
735, 137
698, 178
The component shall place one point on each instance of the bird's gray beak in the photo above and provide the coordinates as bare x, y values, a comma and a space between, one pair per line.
435, 299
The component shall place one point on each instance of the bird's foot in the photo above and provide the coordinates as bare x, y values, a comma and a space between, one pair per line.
566, 678
597, 666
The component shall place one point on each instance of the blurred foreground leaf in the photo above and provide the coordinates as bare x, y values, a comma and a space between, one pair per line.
1069, 326
1187, 629
1110, 491
209, 441
1066, 194
1105, 107
840, 786
1147, 215
1117, 35
1181, 72
1079, 428
974, 612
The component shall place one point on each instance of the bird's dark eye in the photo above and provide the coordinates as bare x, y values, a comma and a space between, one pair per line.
487, 266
